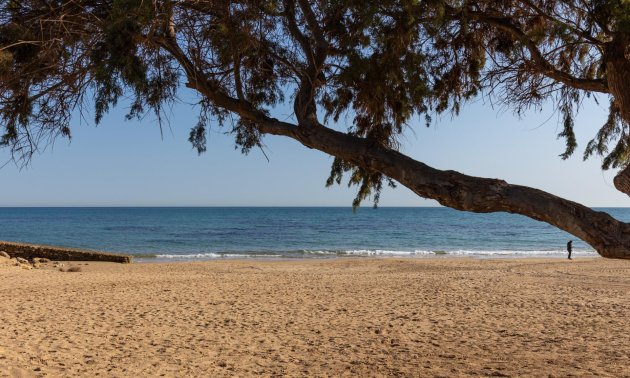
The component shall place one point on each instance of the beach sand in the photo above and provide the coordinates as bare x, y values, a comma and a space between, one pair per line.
340, 317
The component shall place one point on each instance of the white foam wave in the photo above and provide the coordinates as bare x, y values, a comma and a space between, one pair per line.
375, 252
520, 253
190, 256
461, 252
212, 256
385, 252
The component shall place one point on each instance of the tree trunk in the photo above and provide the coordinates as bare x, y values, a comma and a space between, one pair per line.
609, 237
622, 180
617, 56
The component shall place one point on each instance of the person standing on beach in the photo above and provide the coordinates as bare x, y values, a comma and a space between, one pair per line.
570, 248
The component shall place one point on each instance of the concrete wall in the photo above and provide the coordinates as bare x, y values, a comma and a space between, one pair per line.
29, 251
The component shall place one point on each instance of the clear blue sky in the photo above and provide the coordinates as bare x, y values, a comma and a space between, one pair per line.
128, 163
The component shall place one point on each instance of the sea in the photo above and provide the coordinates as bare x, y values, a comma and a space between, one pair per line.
205, 233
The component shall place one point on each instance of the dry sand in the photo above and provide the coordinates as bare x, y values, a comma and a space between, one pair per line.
343, 317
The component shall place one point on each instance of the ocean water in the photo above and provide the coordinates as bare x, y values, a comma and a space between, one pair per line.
244, 232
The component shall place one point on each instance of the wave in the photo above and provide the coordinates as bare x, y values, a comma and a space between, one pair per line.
461, 252
362, 253
212, 255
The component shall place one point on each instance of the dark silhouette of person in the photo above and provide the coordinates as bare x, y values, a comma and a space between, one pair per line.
570, 248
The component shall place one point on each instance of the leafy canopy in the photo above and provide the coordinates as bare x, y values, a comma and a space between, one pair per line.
381, 63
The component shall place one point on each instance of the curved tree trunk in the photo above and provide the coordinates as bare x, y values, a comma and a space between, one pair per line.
609, 237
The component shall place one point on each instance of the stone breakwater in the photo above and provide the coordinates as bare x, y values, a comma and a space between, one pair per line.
35, 263
31, 251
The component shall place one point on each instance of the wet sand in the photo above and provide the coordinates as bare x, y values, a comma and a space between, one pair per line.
341, 317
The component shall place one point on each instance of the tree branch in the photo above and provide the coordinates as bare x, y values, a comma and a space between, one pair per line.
542, 65
294, 30
314, 27
209, 89
304, 106
574, 29
607, 235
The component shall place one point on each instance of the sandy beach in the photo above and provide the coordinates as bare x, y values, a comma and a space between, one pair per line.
341, 317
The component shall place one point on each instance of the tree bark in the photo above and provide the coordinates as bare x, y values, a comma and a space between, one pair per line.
617, 56
622, 180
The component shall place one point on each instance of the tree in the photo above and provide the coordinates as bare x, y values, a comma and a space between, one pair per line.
382, 62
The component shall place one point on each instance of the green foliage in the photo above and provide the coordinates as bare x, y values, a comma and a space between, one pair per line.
118, 62
376, 64
534, 52
382, 79
613, 14
370, 183
568, 98
613, 132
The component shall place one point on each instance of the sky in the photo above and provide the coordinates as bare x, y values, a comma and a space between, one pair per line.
131, 163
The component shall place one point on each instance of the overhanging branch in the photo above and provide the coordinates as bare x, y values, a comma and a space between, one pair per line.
541, 64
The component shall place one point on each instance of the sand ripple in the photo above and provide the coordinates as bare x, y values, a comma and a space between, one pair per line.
343, 317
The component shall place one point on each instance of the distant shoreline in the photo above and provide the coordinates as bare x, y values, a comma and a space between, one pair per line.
60, 253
